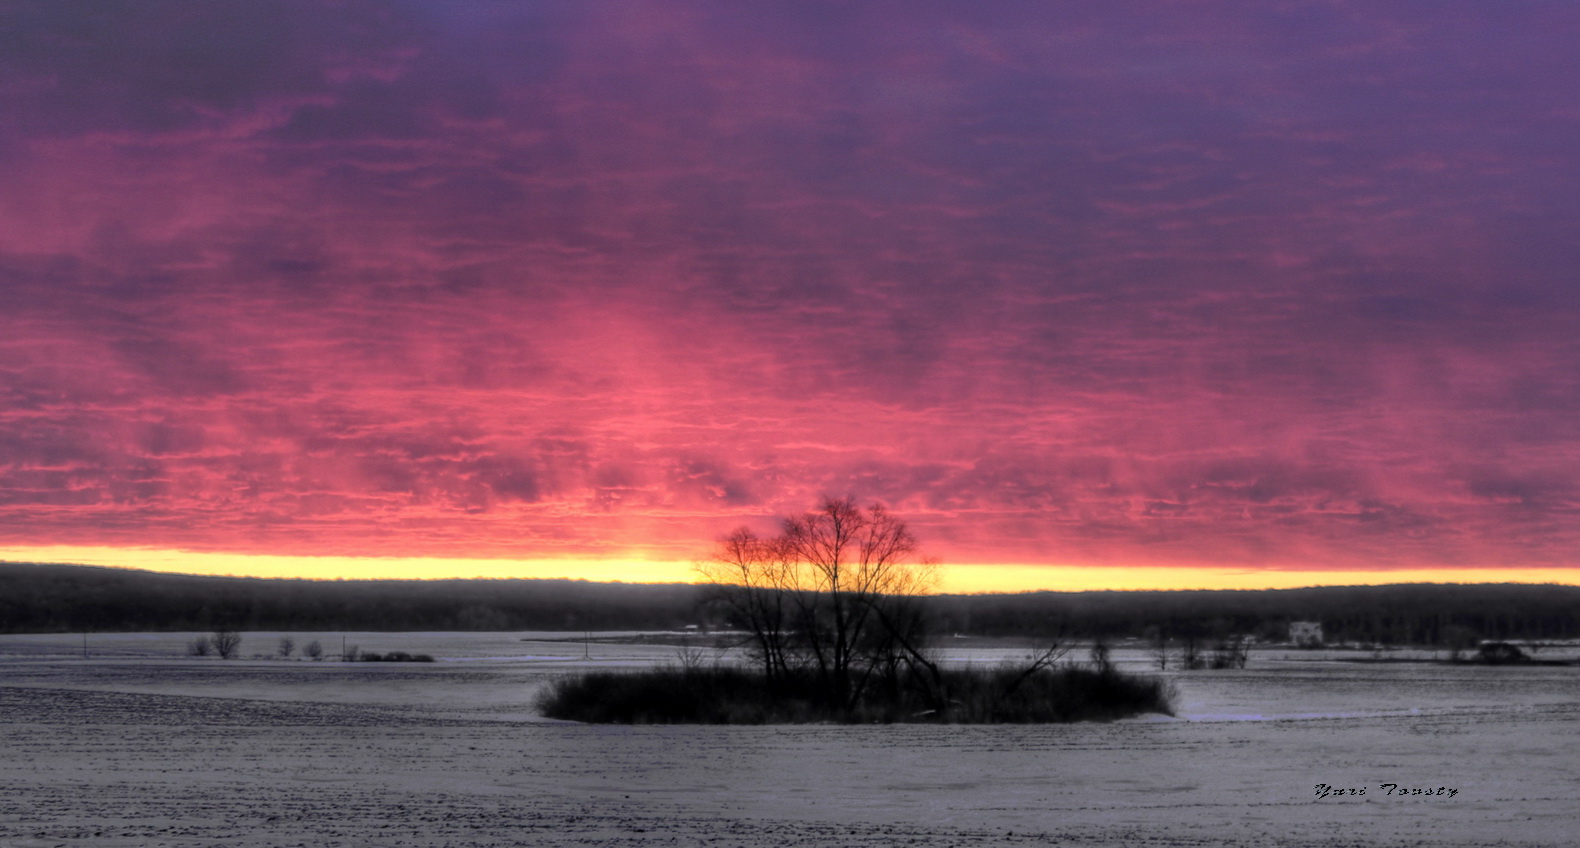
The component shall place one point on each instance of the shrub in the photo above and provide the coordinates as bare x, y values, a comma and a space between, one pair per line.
1053, 695
1231, 652
226, 643
739, 696
1501, 653
314, 651
198, 647
394, 656
678, 696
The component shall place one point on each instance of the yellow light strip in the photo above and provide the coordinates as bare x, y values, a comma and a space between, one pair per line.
957, 579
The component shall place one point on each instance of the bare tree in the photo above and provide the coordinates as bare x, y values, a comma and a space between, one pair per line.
831, 593
226, 643
848, 564
752, 578
1158, 637
901, 644
313, 651
691, 658
287, 645
1040, 659
1231, 651
1102, 656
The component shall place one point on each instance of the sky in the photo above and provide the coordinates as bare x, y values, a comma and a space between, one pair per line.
1120, 295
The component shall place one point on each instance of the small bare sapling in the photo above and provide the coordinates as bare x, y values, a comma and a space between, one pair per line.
226, 643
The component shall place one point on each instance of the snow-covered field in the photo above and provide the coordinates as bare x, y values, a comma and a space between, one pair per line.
139, 745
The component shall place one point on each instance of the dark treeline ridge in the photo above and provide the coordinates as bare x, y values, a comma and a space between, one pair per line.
1397, 614
57, 598
41, 598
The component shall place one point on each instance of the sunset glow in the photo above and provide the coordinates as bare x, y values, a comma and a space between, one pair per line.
951, 579
1121, 295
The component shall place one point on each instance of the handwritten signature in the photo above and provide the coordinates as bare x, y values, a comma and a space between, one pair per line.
1386, 790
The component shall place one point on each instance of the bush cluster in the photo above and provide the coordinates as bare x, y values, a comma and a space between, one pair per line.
741, 696
1066, 694
392, 656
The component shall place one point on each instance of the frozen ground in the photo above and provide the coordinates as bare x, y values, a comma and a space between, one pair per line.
137, 745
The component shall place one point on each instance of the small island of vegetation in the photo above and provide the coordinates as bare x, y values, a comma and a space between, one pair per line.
836, 634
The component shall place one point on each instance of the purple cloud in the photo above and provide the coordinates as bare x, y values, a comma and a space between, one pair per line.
1263, 284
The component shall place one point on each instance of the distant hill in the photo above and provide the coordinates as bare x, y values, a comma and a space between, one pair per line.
37, 597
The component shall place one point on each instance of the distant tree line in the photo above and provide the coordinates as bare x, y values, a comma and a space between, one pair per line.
1400, 614
65, 598
38, 598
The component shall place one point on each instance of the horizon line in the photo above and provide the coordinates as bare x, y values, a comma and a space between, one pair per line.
954, 579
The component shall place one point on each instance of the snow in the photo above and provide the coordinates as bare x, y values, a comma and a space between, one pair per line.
139, 745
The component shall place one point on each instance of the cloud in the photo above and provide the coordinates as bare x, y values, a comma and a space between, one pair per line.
1266, 285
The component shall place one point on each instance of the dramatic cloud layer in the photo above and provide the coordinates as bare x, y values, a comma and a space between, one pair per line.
1282, 285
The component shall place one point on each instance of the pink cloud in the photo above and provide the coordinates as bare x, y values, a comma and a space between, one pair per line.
1247, 286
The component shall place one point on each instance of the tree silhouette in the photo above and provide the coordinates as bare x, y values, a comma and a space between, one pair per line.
226, 643
833, 593
753, 580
